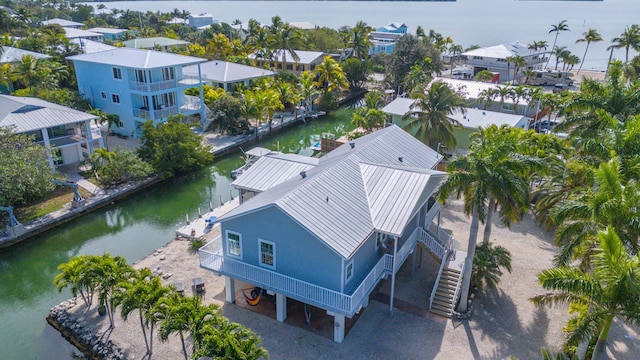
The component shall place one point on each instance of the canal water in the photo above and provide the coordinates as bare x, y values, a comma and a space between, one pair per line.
133, 228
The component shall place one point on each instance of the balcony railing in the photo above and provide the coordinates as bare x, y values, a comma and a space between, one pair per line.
142, 113
328, 299
443, 237
165, 112
191, 103
189, 80
153, 86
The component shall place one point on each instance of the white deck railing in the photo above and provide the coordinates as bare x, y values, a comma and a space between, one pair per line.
300, 290
435, 286
433, 212
432, 244
152, 86
442, 236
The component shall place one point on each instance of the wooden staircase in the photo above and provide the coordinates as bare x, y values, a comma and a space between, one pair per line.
443, 301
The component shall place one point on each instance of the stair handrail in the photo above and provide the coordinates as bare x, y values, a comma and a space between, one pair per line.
435, 287
456, 294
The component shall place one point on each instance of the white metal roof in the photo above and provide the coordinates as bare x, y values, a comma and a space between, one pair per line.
399, 106
227, 72
473, 88
302, 25
27, 114
62, 22
72, 33
103, 30
90, 46
148, 43
502, 51
11, 54
137, 59
273, 169
201, 16
347, 196
306, 57
476, 118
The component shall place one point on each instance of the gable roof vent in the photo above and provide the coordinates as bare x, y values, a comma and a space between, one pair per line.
400, 158
303, 174
352, 144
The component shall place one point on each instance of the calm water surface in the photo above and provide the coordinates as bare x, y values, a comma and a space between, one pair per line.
482, 22
132, 228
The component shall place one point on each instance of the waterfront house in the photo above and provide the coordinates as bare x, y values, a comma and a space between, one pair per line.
302, 25
64, 23
67, 133
73, 33
328, 235
138, 85
394, 27
109, 34
494, 59
11, 55
157, 43
308, 60
200, 20
383, 42
472, 91
470, 120
227, 75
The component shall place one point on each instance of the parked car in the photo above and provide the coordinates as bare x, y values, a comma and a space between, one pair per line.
560, 87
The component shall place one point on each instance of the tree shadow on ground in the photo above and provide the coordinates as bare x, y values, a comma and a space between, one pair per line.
496, 317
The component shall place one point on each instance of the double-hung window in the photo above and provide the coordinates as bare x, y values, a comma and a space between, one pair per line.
267, 253
115, 98
234, 244
117, 73
348, 272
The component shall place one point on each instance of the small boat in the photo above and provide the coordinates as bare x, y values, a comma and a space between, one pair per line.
250, 157
316, 146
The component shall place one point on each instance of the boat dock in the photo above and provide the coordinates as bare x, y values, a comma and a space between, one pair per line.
203, 225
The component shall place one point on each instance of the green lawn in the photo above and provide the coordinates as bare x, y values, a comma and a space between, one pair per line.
55, 200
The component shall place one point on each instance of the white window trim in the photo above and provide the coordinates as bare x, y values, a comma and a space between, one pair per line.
103, 95
119, 70
119, 99
260, 241
226, 238
346, 272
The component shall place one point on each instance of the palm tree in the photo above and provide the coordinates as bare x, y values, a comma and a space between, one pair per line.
487, 262
560, 53
629, 39
518, 63
330, 76
489, 174
28, 71
486, 97
428, 118
589, 36
307, 89
6, 76
359, 40
109, 272
504, 92
172, 315
75, 275
288, 40
484, 76
142, 292
226, 340
610, 290
369, 115
416, 79
561, 26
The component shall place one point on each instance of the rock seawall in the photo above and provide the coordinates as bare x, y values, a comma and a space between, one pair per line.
87, 341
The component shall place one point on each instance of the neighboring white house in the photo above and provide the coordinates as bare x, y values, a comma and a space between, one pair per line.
11, 55
73, 33
308, 60
90, 46
153, 42
64, 23
472, 91
68, 133
227, 75
471, 119
302, 25
494, 59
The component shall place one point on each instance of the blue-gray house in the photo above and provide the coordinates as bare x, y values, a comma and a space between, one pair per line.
328, 235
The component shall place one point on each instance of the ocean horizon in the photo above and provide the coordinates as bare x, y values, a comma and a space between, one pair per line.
467, 22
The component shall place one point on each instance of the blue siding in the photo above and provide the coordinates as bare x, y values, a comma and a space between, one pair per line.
298, 253
363, 261
94, 79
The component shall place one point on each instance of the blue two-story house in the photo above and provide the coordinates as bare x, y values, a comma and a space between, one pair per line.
384, 39
139, 85
327, 236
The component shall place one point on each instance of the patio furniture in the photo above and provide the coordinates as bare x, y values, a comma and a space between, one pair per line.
198, 284
180, 288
